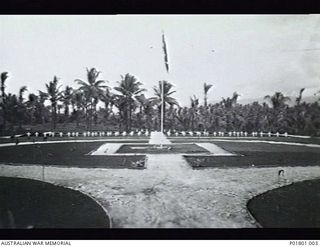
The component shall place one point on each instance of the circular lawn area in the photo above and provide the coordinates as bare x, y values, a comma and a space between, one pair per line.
291, 206
27, 203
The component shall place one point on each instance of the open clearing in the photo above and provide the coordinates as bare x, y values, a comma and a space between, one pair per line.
169, 193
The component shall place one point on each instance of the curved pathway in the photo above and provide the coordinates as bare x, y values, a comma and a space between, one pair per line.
169, 193
172, 196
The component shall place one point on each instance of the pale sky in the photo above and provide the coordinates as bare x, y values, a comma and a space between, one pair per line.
253, 55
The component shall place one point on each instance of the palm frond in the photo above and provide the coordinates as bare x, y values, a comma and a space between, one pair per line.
4, 76
206, 87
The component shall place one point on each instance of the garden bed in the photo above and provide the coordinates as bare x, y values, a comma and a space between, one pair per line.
292, 206
67, 155
27, 203
166, 149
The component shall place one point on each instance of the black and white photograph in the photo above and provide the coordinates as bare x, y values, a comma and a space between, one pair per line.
159, 121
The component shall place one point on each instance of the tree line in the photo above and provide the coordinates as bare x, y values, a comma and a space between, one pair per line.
93, 105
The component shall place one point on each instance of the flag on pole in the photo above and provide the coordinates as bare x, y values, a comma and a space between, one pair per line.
166, 62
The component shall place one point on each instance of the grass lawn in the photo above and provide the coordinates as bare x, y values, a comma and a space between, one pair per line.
153, 149
259, 155
256, 159
292, 206
242, 147
313, 140
27, 203
66, 155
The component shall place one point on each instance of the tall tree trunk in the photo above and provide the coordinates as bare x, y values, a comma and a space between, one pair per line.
128, 118
149, 122
3, 112
54, 116
3, 107
164, 116
94, 114
66, 110
4, 116
205, 100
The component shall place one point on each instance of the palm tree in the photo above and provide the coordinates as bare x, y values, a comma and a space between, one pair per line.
3, 77
206, 88
129, 88
93, 89
54, 95
146, 109
22, 90
277, 100
79, 102
298, 99
66, 99
168, 100
42, 111
21, 112
108, 99
193, 111
120, 102
12, 106
32, 107
230, 102
194, 101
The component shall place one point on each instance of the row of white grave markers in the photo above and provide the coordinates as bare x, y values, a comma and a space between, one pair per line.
90, 134
169, 133
221, 134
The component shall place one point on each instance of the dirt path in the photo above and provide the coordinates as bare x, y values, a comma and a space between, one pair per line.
213, 148
169, 193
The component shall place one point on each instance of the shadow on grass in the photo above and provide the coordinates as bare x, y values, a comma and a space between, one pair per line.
292, 206
27, 203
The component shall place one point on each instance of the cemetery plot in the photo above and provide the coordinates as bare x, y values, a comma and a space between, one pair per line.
27, 203
73, 154
292, 206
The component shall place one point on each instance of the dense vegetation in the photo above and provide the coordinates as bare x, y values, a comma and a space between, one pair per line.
95, 106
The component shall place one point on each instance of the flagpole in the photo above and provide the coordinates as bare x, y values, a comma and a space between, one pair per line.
162, 105
166, 63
